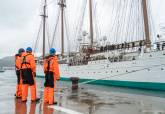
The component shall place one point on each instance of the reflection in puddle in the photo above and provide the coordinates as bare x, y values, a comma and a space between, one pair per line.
47, 110
22, 108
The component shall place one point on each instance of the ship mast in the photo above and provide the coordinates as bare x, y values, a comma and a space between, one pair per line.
146, 24
62, 4
44, 24
91, 22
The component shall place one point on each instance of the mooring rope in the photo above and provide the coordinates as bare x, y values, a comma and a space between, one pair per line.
133, 71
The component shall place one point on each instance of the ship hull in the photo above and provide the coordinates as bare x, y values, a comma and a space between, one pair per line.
129, 84
145, 72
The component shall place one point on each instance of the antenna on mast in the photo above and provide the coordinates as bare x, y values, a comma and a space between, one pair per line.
62, 4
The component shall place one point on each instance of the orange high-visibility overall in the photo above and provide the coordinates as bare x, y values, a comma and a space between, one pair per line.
28, 70
19, 80
51, 70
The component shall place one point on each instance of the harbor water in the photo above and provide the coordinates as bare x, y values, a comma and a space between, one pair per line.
88, 99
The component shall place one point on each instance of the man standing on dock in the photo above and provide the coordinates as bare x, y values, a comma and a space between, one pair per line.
18, 93
28, 68
51, 70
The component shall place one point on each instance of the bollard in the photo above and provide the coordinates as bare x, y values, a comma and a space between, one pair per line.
74, 83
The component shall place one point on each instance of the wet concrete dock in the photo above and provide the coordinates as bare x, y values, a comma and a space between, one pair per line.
89, 99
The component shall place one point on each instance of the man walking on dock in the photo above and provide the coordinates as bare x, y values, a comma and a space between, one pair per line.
51, 70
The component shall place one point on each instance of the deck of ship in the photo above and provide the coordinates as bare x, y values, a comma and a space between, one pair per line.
89, 99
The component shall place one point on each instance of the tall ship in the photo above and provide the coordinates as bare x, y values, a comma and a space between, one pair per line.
132, 56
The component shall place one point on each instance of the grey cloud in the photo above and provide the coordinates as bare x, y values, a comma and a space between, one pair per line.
19, 20
15, 13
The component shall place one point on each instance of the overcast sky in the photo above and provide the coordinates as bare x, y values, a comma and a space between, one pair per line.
19, 21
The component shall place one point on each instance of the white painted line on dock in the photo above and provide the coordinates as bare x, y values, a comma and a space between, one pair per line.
62, 109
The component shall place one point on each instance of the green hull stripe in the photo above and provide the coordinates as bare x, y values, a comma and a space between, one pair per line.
131, 84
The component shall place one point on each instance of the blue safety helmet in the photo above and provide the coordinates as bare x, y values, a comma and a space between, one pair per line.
52, 51
28, 49
21, 50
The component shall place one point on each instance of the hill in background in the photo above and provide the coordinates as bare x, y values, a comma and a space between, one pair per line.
7, 61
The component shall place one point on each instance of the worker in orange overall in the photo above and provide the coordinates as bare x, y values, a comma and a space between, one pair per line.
18, 93
28, 70
51, 70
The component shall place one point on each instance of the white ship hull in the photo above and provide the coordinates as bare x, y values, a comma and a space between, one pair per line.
146, 71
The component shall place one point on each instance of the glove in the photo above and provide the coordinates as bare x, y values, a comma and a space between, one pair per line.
34, 74
45, 72
58, 79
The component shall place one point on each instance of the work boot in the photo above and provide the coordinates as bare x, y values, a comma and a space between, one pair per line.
17, 97
37, 100
55, 103
24, 101
46, 102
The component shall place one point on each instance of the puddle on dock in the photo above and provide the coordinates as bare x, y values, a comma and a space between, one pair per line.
88, 99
